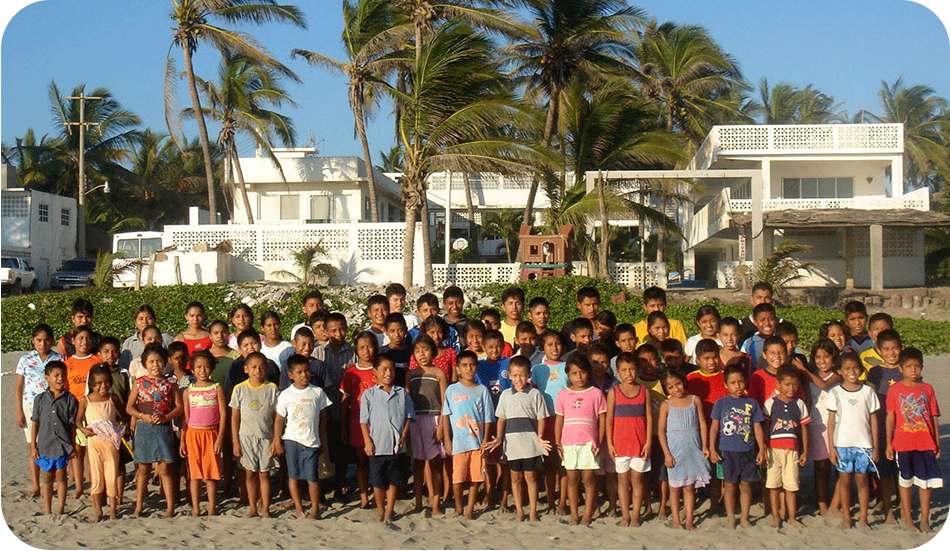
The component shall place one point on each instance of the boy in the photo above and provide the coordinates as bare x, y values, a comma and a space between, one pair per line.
604, 326
82, 314
709, 384
300, 431
788, 444
876, 323
317, 323
249, 341
582, 334
734, 433
539, 313
109, 353
466, 410
856, 317
912, 436
762, 293
648, 375
303, 344
453, 300
674, 357
396, 295
625, 340
336, 356
548, 376
398, 350
491, 318
853, 435
789, 334
588, 302
53, 435
77, 372
525, 343
493, 373
882, 378
521, 414
654, 300
312, 302
512, 303
764, 382
729, 352
253, 406
601, 376
764, 316
385, 412
377, 308
428, 306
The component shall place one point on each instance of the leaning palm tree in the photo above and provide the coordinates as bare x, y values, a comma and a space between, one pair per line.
371, 33
239, 101
192, 25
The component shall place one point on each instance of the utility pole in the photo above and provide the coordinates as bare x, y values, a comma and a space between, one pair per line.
82, 124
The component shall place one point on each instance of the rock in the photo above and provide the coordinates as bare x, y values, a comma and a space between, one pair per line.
200, 248
907, 303
485, 302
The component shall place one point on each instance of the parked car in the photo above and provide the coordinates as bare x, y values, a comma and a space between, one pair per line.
75, 273
16, 274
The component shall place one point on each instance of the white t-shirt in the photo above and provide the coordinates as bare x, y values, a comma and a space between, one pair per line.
273, 352
381, 338
412, 320
853, 416
690, 347
301, 409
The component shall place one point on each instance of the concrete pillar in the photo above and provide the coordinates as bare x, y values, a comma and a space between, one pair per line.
897, 177
877, 257
758, 217
689, 260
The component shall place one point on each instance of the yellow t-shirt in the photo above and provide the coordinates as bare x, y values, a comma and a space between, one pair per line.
870, 358
508, 331
676, 331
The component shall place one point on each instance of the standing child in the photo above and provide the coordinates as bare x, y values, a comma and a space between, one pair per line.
30, 383
77, 371
242, 318
853, 435
436, 329
876, 323
657, 329
582, 334
150, 335
133, 346
788, 444
579, 433
274, 343
357, 378
109, 354
453, 299
521, 413
99, 418
549, 377
493, 373
764, 316
587, 301
466, 410
654, 300
82, 314
377, 309
729, 351
396, 295
707, 320
312, 302
195, 337
223, 354
300, 430
385, 413
337, 355
605, 324
882, 377
856, 318
913, 435
683, 437
53, 434
708, 384
824, 354
601, 377
526, 340
625, 340
206, 418
764, 382
512, 303
629, 436
253, 405
474, 334
427, 385
398, 350
736, 430
648, 375
539, 313
762, 292
153, 403
836, 332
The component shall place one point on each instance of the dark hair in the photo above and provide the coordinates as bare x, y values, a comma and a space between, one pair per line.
434, 321
582, 323
109, 340
151, 328
911, 353
493, 335
336, 316
548, 333
671, 345
99, 369
648, 349
144, 308
176, 347
762, 307
734, 368
849, 356
249, 333
786, 329
774, 340
83, 306
580, 361
654, 293
606, 317
538, 301
855, 306
428, 299
424, 340
881, 316
624, 328
476, 325
490, 312
598, 348
314, 294
246, 308
705, 346
395, 289
673, 374
82, 329
155, 348
218, 322
706, 310
268, 315
370, 336
525, 327
763, 286
828, 346
317, 315
395, 317
453, 291
379, 359
43, 328
303, 332
656, 316
521, 362
516, 292
466, 355
203, 355
293, 361
888, 335
261, 356
729, 320
377, 299
825, 327
587, 292
627, 357
195, 304
54, 364
786, 371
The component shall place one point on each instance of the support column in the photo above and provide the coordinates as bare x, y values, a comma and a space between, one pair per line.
877, 257
758, 218
897, 177
849, 258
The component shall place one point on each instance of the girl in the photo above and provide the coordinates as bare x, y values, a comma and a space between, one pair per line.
31, 382
203, 434
133, 346
195, 336
658, 329
684, 439
427, 384
223, 354
629, 437
273, 343
474, 333
436, 329
579, 433
242, 317
153, 402
729, 351
99, 419
836, 332
356, 380
707, 320
824, 354
150, 335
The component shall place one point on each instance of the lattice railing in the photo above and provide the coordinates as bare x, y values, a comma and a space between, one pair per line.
807, 137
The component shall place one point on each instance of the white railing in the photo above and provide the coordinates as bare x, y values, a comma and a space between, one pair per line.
917, 200
480, 181
628, 274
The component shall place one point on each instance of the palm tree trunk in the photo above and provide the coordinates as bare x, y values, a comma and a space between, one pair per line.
408, 245
227, 186
470, 210
240, 185
545, 142
426, 241
370, 179
202, 132
661, 233
604, 248
398, 109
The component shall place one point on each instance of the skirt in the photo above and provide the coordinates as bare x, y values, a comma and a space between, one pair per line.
154, 443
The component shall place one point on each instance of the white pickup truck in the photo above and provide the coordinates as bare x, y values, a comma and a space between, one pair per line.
15, 275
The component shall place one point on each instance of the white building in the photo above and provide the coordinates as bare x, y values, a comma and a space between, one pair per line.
38, 227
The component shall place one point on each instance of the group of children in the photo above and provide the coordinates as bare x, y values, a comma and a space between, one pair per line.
499, 404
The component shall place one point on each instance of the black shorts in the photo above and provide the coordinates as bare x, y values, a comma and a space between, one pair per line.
739, 467
339, 451
529, 464
658, 469
387, 470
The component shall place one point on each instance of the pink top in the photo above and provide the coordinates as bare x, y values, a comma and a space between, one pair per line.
203, 406
580, 409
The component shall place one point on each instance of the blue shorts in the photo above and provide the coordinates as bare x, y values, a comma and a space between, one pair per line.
855, 460
739, 467
918, 468
49, 465
302, 461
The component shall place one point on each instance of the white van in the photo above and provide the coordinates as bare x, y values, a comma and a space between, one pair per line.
135, 246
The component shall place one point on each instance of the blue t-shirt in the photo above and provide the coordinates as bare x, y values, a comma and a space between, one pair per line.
736, 417
452, 341
494, 375
882, 378
550, 379
466, 407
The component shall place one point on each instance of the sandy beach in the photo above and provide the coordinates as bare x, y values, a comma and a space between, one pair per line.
349, 527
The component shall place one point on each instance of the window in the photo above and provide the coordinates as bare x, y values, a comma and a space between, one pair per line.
44, 212
269, 207
64, 217
290, 207
320, 208
329, 208
742, 191
818, 188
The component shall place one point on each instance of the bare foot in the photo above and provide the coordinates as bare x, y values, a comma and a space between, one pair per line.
35, 493
314, 513
889, 519
113, 515
265, 513
252, 514
169, 514
634, 522
77, 494
624, 520
137, 513
519, 516
925, 527
575, 520
533, 517
745, 523
504, 508
864, 525
794, 523
300, 515
470, 514
562, 511
195, 512
690, 527
731, 521
380, 516
845, 523
586, 520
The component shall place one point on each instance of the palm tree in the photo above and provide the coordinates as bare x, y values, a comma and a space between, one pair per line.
192, 25
504, 225
38, 162
306, 261
371, 33
786, 104
390, 161
568, 39
238, 101
455, 104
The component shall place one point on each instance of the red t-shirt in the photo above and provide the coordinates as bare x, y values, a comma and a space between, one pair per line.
709, 388
445, 362
355, 381
763, 385
914, 409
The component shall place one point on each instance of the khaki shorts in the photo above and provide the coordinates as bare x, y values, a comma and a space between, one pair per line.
782, 471
468, 467
580, 457
255, 454
28, 411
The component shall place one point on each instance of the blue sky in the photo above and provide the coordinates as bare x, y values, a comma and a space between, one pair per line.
844, 48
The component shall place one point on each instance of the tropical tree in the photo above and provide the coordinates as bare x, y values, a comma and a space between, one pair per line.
311, 272
38, 162
567, 40
778, 269
787, 104
371, 33
504, 225
390, 161
239, 101
192, 20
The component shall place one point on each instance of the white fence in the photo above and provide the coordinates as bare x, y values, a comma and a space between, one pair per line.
628, 274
